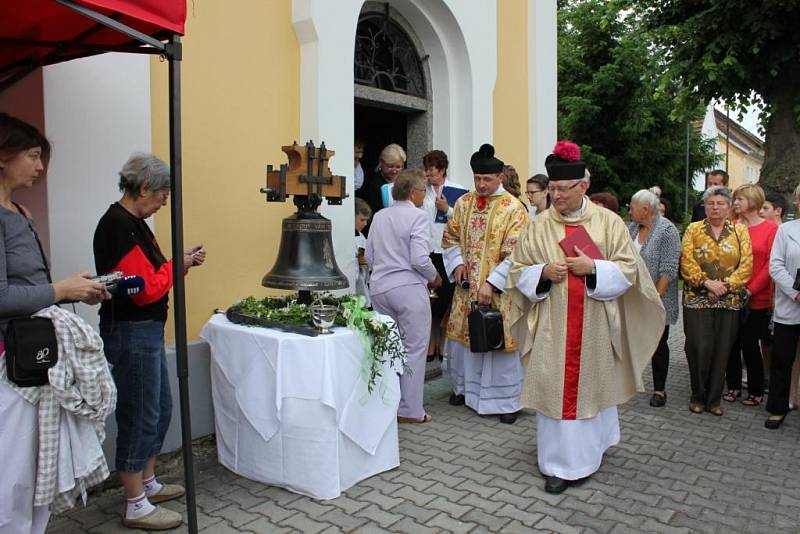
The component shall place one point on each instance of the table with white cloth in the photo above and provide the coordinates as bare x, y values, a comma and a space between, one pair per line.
294, 411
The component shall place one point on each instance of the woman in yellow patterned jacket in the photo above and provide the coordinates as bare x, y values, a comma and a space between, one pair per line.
716, 263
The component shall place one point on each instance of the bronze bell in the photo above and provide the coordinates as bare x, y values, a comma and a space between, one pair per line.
306, 261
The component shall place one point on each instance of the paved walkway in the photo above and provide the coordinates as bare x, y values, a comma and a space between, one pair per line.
672, 472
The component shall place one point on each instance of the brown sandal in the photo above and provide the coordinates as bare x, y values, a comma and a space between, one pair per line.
732, 395
413, 420
752, 400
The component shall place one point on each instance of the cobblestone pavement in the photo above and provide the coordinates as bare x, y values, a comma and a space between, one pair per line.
673, 471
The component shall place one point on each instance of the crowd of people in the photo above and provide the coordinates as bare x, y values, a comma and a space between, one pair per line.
566, 273
585, 300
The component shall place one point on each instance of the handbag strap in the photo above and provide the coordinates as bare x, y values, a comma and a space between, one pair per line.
38, 242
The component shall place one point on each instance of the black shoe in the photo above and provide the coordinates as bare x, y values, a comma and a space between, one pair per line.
508, 418
555, 485
774, 424
456, 400
658, 400
558, 485
431, 357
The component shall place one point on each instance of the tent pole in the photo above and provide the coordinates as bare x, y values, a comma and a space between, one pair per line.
173, 53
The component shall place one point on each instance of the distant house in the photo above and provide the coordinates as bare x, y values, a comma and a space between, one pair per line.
741, 151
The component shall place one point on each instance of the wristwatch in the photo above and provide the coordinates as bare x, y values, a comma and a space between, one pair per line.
594, 270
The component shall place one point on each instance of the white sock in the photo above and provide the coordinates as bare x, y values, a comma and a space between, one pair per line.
151, 486
138, 507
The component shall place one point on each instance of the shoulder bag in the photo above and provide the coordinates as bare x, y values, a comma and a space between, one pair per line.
31, 344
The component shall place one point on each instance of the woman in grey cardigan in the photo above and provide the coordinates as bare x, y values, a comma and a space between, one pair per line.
25, 288
659, 244
784, 265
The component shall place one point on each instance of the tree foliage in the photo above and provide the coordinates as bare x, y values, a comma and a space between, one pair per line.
728, 49
610, 102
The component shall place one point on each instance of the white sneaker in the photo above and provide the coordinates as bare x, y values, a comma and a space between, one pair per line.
167, 493
158, 519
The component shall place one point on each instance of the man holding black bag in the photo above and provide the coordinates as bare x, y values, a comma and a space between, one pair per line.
483, 360
578, 286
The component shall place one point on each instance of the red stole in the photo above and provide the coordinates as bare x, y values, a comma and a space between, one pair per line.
576, 291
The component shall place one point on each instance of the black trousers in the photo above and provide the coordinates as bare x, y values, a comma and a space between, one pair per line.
441, 305
784, 350
710, 333
661, 362
755, 329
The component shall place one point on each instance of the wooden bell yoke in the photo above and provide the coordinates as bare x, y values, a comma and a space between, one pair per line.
305, 260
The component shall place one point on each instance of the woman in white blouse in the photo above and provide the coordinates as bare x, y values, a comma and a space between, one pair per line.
439, 212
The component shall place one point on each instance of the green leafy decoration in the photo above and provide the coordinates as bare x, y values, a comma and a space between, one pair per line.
381, 340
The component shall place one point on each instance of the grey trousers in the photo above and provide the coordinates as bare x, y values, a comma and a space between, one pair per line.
410, 307
710, 334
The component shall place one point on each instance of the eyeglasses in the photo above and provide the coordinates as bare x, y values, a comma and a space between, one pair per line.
562, 188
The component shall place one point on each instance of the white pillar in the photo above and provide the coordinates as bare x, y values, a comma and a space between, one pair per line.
326, 32
542, 81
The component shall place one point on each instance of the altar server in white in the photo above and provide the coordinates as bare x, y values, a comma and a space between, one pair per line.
477, 242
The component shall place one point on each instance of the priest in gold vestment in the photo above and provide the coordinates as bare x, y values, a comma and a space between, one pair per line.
586, 327
477, 242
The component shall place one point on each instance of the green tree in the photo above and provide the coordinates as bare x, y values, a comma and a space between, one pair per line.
728, 49
632, 136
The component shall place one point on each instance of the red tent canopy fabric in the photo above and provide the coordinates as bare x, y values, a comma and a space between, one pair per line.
39, 32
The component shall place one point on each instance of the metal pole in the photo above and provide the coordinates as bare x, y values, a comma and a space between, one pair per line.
178, 287
686, 186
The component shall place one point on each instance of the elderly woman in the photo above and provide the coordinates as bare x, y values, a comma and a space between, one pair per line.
716, 263
659, 244
397, 250
784, 265
133, 334
25, 288
392, 161
439, 212
747, 201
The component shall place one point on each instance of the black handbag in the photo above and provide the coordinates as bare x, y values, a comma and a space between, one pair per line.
31, 350
485, 329
30, 342
744, 311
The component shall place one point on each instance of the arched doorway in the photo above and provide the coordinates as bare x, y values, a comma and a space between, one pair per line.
392, 88
460, 39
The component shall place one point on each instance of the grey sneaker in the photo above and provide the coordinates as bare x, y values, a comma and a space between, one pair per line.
158, 519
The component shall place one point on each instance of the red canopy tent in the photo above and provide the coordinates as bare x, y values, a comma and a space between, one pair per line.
35, 33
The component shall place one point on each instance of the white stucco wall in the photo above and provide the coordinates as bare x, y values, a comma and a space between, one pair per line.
461, 38
542, 82
97, 111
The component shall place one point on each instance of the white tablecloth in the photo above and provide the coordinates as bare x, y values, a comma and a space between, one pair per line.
294, 411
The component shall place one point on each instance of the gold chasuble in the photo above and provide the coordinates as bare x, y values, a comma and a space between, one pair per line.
487, 230
582, 355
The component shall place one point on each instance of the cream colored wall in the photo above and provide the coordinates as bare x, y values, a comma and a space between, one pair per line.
736, 164
511, 90
240, 103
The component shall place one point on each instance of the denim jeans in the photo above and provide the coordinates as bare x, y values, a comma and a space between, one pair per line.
135, 349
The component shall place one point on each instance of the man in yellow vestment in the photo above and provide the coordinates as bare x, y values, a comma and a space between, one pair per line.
477, 242
586, 327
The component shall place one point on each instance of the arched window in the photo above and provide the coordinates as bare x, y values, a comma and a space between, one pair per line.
386, 58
